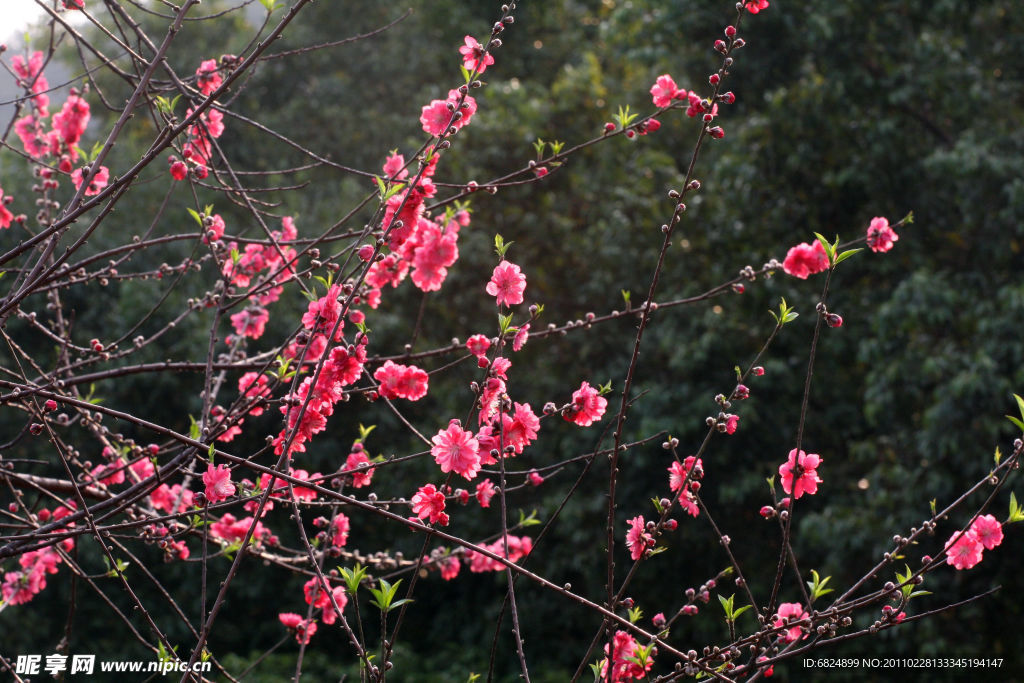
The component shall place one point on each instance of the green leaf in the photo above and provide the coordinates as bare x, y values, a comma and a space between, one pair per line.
635, 615
466, 73
352, 577
931, 503
539, 146
785, 315
504, 322
500, 247
211, 451
605, 388
657, 505
195, 214
817, 585
998, 456
625, 297
556, 147
384, 597
163, 655
624, 118
528, 521
364, 432
1018, 423
727, 605
193, 428
1020, 404
1016, 514
845, 255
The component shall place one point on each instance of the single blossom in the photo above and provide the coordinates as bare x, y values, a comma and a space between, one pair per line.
5, 215
98, 182
988, 531
435, 117
731, 423
473, 57
637, 539
965, 551
799, 473
665, 90
218, 483
788, 613
478, 345
755, 6
507, 284
360, 477
455, 450
880, 235
401, 381
522, 335
449, 567
339, 531
484, 492
208, 78
805, 259
678, 471
428, 502
587, 406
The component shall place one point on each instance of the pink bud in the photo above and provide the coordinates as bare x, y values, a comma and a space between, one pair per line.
714, 79
365, 253
179, 171
609, 127
50, 405
720, 45
717, 132
730, 31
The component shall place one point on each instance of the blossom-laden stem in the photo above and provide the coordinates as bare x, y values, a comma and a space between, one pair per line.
620, 418
787, 530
